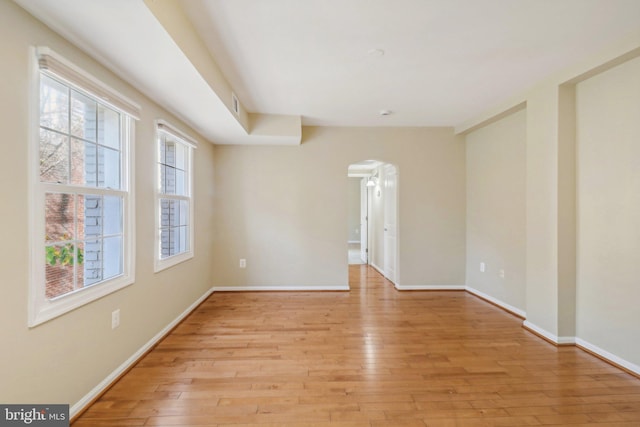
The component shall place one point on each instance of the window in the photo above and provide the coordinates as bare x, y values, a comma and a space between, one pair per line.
174, 203
82, 236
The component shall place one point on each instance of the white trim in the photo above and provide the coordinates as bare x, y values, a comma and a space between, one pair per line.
496, 301
280, 288
104, 384
34, 204
164, 126
353, 241
430, 287
378, 269
51, 62
566, 340
609, 356
163, 264
548, 335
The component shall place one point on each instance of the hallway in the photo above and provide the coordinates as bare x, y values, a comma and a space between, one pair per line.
372, 356
355, 257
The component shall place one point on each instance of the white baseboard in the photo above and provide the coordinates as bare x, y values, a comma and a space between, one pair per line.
538, 330
80, 405
353, 241
430, 287
497, 302
548, 335
615, 360
380, 270
279, 288
608, 356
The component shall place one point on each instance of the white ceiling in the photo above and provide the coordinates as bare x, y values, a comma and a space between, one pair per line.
444, 62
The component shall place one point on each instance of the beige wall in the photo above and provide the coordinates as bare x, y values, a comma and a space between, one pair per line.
353, 195
496, 209
65, 358
542, 208
580, 260
285, 208
608, 137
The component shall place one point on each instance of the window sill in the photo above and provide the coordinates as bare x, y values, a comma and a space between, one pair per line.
166, 263
44, 309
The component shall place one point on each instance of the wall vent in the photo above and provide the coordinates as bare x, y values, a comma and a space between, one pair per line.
235, 104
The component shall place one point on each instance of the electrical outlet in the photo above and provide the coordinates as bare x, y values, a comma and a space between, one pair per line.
243, 263
501, 274
483, 267
115, 319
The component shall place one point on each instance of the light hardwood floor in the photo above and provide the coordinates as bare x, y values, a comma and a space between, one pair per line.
369, 357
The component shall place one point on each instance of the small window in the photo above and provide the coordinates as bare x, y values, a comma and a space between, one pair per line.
174, 202
82, 239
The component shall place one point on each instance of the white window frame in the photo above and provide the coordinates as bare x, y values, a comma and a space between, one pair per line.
41, 309
163, 128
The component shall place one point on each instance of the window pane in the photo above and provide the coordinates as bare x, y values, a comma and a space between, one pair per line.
54, 157
175, 240
83, 117
182, 238
165, 208
59, 217
108, 168
165, 243
174, 213
54, 104
174, 219
112, 257
180, 150
108, 127
93, 258
169, 153
112, 215
59, 268
83, 163
184, 213
168, 180
180, 183
90, 216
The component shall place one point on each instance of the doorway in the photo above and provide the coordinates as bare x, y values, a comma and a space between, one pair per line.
373, 219
357, 235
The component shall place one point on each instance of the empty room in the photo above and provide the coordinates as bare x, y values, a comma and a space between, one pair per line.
319, 212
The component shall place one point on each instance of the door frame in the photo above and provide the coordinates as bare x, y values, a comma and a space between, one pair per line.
371, 221
364, 221
390, 229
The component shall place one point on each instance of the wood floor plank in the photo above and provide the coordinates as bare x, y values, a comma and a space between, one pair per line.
372, 356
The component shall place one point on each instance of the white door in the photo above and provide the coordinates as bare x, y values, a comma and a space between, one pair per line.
390, 222
364, 226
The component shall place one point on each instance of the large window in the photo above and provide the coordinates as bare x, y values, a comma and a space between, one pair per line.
174, 204
82, 233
